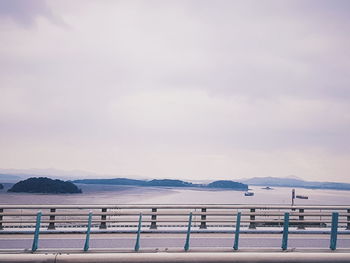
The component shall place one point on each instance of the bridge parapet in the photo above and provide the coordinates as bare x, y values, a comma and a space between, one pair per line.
198, 218
205, 216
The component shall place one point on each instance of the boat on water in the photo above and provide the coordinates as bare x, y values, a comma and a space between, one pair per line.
267, 188
301, 197
248, 193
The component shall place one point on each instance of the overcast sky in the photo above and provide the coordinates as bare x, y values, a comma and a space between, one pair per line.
177, 89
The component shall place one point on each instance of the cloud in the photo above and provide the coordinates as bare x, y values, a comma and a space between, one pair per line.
25, 13
140, 86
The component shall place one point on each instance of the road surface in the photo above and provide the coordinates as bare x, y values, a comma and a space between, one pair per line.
171, 241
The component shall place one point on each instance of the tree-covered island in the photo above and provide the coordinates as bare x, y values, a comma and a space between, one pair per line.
226, 184
45, 185
221, 184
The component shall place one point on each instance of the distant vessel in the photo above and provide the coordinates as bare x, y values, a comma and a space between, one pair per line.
267, 188
302, 197
248, 193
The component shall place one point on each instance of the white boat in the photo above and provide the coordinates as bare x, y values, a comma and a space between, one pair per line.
248, 193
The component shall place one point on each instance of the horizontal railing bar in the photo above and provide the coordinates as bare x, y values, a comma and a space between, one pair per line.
162, 206
164, 230
170, 221
172, 214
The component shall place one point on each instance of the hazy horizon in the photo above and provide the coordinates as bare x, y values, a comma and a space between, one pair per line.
80, 174
192, 90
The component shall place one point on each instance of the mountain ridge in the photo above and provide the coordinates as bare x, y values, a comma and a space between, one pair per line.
13, 175
292, 182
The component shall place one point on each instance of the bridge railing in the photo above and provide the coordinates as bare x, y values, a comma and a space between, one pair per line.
171, 216
181, 218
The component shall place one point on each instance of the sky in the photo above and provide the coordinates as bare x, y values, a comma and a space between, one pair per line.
187, 89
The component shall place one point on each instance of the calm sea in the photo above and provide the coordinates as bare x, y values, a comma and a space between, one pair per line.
103, 194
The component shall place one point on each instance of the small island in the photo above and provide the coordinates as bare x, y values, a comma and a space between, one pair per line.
1, 186
45, 185
226, 184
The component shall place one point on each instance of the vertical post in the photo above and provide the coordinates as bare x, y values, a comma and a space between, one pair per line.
252, 218
187, 244
238, 225
36, 233
334, 231
347, 218
137, 244
301, 219
293, 196
285, 231
154, 219
203, 219
103, 224
52, 219
1, 217
87, 239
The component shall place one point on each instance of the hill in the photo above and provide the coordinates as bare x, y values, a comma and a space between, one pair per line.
292, 182
225, 184
44, 185
114, 181
6, 178
168, 182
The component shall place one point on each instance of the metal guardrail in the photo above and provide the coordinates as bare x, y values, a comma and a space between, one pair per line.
169, 217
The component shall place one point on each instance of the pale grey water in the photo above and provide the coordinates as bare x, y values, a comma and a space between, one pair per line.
98, 194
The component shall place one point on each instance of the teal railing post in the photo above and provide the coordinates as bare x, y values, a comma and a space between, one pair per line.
187, 244
285, 231
334, 231
87, 239
36, 233
137, 244
238, 225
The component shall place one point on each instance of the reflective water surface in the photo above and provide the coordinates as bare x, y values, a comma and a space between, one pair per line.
104, 194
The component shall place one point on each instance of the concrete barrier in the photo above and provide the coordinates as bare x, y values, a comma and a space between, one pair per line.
202, 257
28, 258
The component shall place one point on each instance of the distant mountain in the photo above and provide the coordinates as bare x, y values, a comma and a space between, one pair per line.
126, 181
15, 175
292, 182
114, 181
293, 177
274, 181
332, 185
7, 178
52, 172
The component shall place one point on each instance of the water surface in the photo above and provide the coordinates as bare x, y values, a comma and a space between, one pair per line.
107, 194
